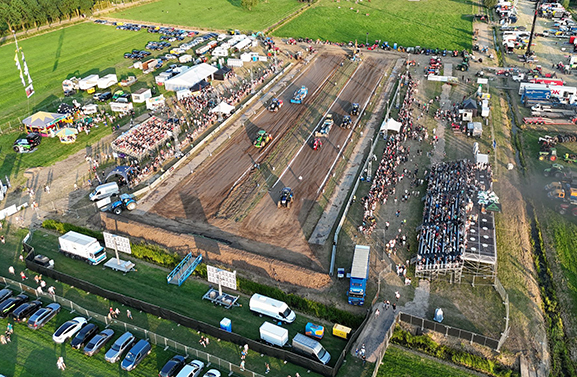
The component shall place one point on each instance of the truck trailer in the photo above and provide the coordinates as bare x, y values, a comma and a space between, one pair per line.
359, 275
79, 246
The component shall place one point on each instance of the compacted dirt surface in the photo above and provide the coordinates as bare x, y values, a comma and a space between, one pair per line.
267, 230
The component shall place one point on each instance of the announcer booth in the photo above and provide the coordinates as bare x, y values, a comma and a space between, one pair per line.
45, 123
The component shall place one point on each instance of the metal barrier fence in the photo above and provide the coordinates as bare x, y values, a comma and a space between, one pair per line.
388, 336
152, 337
192, 323
505, 296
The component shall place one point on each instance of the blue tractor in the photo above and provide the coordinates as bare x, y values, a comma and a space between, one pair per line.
120, 203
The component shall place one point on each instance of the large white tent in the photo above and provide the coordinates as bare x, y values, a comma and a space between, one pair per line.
391, 125
191, 77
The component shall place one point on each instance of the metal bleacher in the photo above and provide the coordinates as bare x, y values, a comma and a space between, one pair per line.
184, 269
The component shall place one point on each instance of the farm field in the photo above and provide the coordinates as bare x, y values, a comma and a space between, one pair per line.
208, 14
399, 362
429, 24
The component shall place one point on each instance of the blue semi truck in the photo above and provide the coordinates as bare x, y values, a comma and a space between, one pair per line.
359, 275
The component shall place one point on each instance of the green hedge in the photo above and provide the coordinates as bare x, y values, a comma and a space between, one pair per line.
165, 258
427, 345
66, 227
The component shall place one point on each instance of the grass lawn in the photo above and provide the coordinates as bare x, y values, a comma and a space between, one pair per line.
212, 14
431, 23
399, 362
149, 284
33, 353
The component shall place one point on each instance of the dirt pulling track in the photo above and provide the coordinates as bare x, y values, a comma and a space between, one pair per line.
267, 230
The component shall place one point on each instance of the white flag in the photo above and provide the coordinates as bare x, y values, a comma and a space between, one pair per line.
26, 72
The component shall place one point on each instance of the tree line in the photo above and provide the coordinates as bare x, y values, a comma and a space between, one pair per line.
27, 14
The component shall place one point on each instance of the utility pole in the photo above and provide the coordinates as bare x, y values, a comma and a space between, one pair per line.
529, 52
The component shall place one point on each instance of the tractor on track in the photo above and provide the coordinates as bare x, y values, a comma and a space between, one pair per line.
346, 122
317, 143
300, 95
262, 139
355, 109
286, 198
275, 105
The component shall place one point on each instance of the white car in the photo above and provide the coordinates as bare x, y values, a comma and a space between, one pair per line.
68, 329
212, 373
191, 369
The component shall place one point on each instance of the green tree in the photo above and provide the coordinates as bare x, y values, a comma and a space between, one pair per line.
490, 3
249, 4
565, 4
85, 6
7, 15
50, 8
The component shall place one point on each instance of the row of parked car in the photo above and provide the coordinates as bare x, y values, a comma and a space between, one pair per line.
88, 337
118, 96
168, 31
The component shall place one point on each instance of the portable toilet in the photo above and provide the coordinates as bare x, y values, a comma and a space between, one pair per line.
395, 46
226, 324
314, 331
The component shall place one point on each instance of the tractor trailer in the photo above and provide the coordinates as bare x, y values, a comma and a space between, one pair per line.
359, 275
79, 246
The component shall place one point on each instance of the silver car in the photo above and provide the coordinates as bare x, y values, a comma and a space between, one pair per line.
122, 344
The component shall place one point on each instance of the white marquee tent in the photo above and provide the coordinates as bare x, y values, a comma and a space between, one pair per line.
191, 77
391, 125
223, 108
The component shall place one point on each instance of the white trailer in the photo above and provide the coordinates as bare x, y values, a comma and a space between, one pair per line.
79, 246
242, 44
566, 94
107, 81
273, 334
88, 82
532, 86
70, 84
185, 58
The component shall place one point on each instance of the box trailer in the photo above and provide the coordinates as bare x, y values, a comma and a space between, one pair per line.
80, 246
359, 275
273, 334
107, 81
88, 82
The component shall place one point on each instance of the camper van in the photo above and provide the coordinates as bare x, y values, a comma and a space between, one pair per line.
311, 348
276, 309
104, 191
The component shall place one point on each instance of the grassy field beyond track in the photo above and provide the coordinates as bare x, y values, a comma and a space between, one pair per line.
212, 14
401, 363
430, 24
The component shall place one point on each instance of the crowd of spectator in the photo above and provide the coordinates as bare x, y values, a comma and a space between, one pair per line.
447, 217
396, 152
145, 137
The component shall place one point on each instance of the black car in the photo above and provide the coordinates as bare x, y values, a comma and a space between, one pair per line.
84, 335
25, 310
104, 97
12, 303
43, 315
5, 294
172, 367
98, 342
43, 261
31, 141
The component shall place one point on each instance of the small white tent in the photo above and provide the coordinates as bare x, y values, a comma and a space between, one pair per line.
391, 125
223, 108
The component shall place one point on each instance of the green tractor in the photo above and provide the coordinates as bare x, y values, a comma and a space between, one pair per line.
463, 66
558, 171
262, 139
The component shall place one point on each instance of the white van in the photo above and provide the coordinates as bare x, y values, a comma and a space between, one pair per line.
104, 191
270, 307
273, 334
309, 347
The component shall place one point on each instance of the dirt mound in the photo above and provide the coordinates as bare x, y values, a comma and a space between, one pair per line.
218, 252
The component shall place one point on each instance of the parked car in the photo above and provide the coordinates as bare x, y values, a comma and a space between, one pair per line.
68, 329
25, 310
5, 294
9, 305
172, 366
212, 373
192, 369
43, 261
84, 336
136, 354
43, 315
118, 348
104, 96
98, 342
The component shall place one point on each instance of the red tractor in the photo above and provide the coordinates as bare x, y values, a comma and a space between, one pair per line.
317, 143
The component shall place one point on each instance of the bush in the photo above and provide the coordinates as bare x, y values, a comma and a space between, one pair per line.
425, 344
155, 254
66, 227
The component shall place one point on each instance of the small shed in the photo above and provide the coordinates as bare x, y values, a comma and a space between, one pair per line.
475, 129
470, 105
141, 95
222, 74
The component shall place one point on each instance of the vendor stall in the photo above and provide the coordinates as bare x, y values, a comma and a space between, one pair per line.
67, 135
45, 123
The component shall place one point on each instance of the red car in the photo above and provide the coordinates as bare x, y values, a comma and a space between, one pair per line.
317, 143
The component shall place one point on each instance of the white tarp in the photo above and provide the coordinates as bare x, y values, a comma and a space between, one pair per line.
119, 107
234, 62
223, 108
391, 125
90, 109
155, 102
190, 78
481, 158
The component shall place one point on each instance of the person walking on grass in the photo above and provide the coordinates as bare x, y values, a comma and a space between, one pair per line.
60, 363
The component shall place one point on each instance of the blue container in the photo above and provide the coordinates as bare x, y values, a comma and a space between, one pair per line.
314, 331
226, 324
395, 46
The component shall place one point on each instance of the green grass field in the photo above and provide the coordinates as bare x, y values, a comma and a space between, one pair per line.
212, 14
430, 23
149, 284
402, 363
